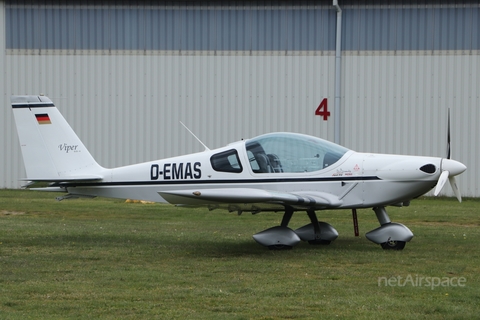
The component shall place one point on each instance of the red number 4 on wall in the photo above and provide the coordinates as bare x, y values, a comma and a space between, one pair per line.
322, 109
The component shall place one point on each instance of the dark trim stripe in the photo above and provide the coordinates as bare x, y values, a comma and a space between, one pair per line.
312, 201
300, 200
191, 182
33, 105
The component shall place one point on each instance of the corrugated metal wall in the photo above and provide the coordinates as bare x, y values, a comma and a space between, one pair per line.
399, 104
404, 66
124, 76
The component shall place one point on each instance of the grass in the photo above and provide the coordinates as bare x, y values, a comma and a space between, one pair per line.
103, 258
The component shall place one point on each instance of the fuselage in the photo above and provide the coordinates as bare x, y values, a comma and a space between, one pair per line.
360, 180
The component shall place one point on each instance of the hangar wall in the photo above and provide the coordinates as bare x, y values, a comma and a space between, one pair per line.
124, 76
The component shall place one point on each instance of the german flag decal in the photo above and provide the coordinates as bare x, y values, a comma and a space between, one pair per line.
43, 118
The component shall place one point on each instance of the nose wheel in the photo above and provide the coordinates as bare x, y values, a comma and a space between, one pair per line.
390, 235
393, 245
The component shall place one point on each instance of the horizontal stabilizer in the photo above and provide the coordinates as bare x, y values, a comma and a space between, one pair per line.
250, 195
65, 179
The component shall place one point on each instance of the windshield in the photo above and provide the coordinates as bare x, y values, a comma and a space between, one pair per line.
291, 152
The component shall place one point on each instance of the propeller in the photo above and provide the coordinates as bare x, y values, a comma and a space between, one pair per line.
450, 168
448, 135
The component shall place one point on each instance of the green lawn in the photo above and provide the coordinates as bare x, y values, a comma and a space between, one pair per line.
103, 258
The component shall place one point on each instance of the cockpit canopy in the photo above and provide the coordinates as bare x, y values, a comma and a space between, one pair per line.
291, 152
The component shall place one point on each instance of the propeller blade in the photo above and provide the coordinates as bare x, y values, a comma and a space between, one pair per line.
448, 136
456, 190
441, 182
450, 168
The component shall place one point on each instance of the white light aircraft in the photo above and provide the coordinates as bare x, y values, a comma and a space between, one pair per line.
285, 172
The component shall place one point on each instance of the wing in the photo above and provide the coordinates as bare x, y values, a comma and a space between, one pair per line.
250, 196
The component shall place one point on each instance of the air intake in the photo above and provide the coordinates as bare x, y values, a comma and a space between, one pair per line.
429, 168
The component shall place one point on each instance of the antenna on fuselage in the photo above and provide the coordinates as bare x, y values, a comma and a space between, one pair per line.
203, 144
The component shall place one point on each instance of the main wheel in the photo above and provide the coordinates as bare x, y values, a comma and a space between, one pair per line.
319, 241
393, 245
280, 247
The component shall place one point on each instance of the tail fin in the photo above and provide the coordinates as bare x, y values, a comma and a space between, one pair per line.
51, 150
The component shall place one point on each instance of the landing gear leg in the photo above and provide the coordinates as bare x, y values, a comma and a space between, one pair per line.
287, 216
382, 215
316, 228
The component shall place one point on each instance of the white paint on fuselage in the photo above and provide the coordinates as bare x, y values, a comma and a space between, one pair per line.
363, 180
